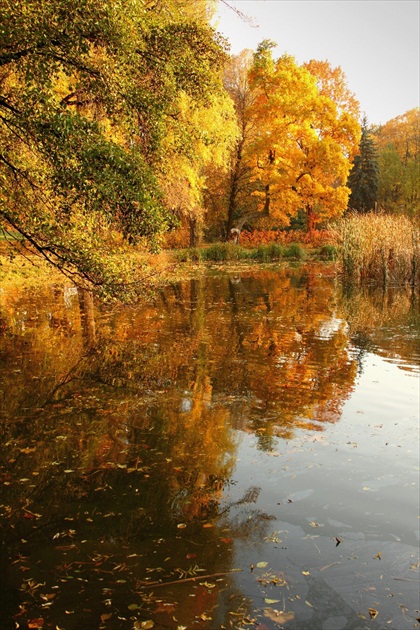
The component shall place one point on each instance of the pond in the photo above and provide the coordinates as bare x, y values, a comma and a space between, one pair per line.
241, 453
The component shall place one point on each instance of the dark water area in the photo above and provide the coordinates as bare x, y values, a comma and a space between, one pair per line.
242, 453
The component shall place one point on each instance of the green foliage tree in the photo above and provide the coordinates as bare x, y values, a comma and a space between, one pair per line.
398, 143
87, 91
364, 176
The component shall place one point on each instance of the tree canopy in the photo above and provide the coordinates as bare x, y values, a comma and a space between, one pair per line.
299, 131
398, 143
88, 93
364, 177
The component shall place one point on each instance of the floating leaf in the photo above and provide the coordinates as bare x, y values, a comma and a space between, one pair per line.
261, 565
378, 556
306, 573
207, 525
181, 526
35, 623
106, 616
271, 601
133, 607
279, 616
314, 524
373, 613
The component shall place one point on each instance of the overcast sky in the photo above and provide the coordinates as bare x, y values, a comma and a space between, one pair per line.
376, 43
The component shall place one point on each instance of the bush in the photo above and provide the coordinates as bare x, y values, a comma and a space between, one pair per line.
295, 251
328, 252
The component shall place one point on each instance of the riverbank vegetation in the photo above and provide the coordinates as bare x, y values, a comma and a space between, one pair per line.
129, 128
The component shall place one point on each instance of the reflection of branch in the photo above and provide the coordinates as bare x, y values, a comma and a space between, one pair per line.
250, 496
67, 378
190, 579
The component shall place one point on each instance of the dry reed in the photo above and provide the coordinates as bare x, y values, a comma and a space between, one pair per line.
380, 248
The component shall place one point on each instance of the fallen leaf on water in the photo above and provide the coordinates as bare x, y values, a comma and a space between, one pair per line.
261, 565
146, 625
279, 616
207, 525
181, 526
314, 524
378, 555
133, 607
106, 616
306, 573
35, 623
373, 613
271, 601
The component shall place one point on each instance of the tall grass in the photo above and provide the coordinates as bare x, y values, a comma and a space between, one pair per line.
380, 248
221, 252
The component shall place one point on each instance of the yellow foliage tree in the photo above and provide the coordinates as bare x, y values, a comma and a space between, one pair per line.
306, 133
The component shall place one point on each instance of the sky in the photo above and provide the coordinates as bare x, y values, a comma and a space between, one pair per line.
375, 42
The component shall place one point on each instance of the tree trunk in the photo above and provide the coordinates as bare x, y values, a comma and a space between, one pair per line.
311, 219
233, 193
194, 232
87, 316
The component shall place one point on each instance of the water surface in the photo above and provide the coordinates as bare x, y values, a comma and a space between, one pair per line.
243, 453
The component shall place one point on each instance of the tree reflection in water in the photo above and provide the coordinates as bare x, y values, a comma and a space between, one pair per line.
119, 430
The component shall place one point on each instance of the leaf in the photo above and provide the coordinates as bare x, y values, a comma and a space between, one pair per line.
35, 623
306, 573
279, 616
378, 556
271, 601
181, 526
373, 613
133, 607
261, 565
106, 616
146, 625
314, 524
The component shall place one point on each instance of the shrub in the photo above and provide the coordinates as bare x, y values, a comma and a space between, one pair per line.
294, 250
328, 252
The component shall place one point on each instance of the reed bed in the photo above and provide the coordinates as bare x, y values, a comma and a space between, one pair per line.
380, 248
221, 252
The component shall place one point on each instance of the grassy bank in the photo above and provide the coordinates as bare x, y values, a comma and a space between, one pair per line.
374, 249
271, 252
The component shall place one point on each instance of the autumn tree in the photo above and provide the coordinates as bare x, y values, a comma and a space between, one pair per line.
364, 176
299, 132
88, 93
398, 143
307, 137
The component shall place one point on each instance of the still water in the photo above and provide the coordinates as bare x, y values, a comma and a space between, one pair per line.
242, 453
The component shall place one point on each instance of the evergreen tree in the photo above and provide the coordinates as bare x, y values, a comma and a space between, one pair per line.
364, 176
